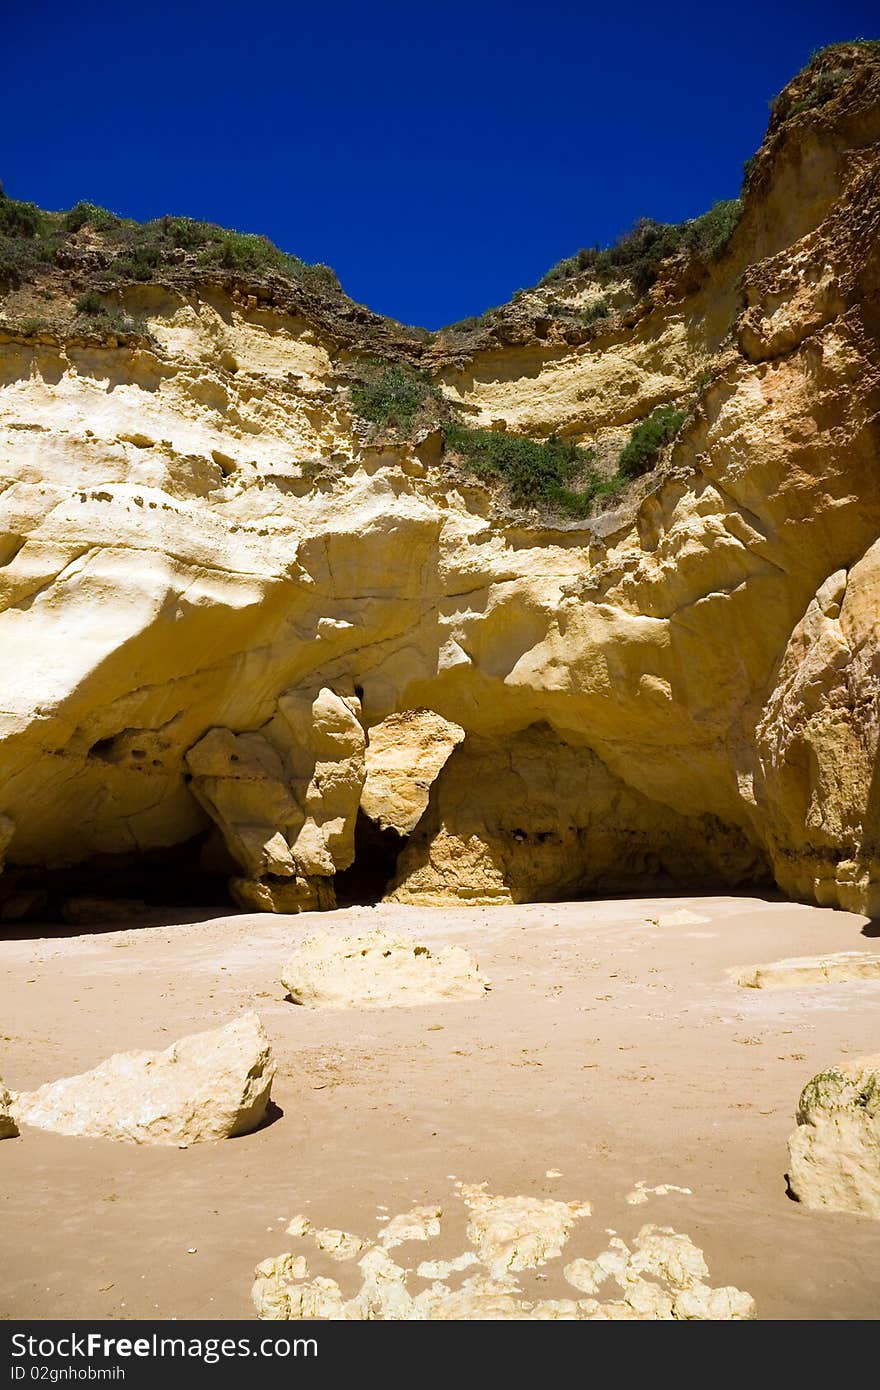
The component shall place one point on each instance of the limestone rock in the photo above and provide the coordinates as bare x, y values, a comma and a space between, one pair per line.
518, 1232
539, 818
404, 755
231, 572
8, 1127
206, 1086
278, 1293
798, 971
378, 969
834, 1154
285, 797
7, 831
339, 1245
283, 894
662, 1277
422, 1223
817, 745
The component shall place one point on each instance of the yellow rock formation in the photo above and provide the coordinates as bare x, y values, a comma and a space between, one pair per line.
231, 615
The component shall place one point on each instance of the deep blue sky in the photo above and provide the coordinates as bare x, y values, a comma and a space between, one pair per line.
438, 156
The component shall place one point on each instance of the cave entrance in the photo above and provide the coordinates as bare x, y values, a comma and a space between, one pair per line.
374, 867
113, 887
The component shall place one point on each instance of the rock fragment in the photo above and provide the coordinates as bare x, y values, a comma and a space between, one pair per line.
518, 1232
660, 1278
8, 1127
207, 1086
378, 969
834, 1154
403, 758
809, 970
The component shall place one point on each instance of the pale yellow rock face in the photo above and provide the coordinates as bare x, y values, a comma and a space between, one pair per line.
834, 1154
549, 819
798, 971
378, 970
204, 1087
8, 1127
817, 746
285, 798
406, 752
263, 621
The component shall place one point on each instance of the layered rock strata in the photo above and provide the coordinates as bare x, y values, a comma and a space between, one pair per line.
236, 618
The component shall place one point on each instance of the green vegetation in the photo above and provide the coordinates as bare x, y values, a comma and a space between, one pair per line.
536, 473
824, 82
30, 238
139, 262
555, 473
94, 316
82, 214
467, 325
647, 439
820, 90
25, 240
552, 474
584, 314
599, 309
31, 324
20, 219
110, 323
90, 303
394, 395
245, 251
873, 45
639, 252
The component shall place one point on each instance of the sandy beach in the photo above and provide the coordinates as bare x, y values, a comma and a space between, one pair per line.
612, 1050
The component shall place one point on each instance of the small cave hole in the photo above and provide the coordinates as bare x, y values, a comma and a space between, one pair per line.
375, 864
103, 750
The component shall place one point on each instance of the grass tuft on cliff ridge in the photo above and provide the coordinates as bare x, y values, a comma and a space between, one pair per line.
639, 253
31, 238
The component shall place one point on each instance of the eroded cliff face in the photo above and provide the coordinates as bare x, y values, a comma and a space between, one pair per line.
216, 582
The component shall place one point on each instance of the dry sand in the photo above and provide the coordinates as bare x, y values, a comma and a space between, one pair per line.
611, 1051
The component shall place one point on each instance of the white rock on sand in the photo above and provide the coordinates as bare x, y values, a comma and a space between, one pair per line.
834, 1154
661, 1277
339, 1245
206, 1086
422, 1223
679, 917
8, 1127
518, 1232
809, 970
378, 969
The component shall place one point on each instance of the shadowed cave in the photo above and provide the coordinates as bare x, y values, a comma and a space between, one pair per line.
534, 820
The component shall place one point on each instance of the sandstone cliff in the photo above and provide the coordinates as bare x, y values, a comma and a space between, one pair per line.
218, 584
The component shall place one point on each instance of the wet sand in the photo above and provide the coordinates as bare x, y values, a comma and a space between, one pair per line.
610, 1050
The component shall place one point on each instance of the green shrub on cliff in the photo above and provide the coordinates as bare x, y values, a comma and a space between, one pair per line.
245, 251
639, 253
82, 214
393, 395
647, 439
536, 473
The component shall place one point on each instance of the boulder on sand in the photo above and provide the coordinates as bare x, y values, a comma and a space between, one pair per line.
834, 1154
378, 969
8, 1127
206, 1086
